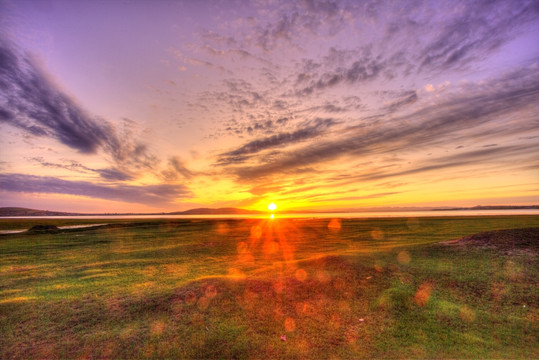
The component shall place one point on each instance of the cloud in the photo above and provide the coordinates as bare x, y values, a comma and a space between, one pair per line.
219, 39
144, 194
473, 113
405, 98
278, 140
238, 95
355, 198
30, 101
114, 174
479, 28
462, 160
109, 174
232, 53
177, 168
406, 42
475, 163
366, 67
349, 103
293, 19
433, 88
70, 165
35, 105
451, 42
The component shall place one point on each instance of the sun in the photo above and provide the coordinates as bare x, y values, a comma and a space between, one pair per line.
272, 206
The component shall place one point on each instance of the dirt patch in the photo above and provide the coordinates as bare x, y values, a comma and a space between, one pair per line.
510, 241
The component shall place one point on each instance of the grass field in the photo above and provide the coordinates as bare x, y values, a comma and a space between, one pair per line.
261, 289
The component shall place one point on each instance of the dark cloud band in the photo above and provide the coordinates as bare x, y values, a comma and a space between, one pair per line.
31, 102
144, 194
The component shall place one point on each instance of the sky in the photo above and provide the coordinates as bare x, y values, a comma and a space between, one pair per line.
143, 106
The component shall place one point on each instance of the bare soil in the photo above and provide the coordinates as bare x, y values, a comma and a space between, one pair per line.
508, 241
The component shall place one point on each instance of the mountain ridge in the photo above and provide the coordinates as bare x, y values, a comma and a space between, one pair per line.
19, 211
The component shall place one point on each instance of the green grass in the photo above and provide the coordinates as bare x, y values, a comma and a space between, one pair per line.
232, 288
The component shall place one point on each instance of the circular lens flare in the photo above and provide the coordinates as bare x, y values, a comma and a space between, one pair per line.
272, 206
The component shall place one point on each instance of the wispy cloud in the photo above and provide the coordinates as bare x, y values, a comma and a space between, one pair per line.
109, 174
467, 33
453, 119
404, 99
461, 38
115, 174
480, 28
144, 194
70, 165
476, 159
176, 168
355, 198
316, 18
307, 131
366, 67
31, 102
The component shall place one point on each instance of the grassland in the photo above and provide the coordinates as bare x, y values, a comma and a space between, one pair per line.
283, 288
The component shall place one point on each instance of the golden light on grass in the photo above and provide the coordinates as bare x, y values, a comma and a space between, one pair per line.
17, 299
272, 207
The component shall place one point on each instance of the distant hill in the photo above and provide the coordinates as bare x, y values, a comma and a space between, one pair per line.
17, 211
219, 211
491, 207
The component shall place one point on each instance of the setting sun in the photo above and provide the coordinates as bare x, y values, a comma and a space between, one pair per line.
272, 206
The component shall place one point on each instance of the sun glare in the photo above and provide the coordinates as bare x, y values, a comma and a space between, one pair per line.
272, 206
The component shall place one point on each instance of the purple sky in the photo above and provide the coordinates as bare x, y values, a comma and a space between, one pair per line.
169, 105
